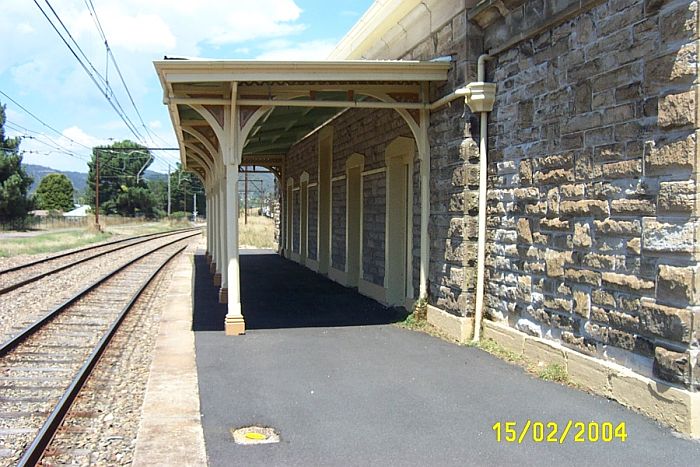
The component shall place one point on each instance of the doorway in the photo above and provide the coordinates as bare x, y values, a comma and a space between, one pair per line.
303, 217
353, 238
399, 163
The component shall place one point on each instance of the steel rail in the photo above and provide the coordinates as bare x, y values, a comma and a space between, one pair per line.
41, 275
13, 342
36, 449
88, 248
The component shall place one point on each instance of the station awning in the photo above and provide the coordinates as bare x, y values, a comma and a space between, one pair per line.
278, 103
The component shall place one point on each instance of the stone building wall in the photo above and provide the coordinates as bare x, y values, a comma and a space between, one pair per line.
367, 132
338, 225
374, 231
592, 227
454, 171
313, 223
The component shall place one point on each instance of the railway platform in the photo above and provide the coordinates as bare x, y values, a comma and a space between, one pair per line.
325, 367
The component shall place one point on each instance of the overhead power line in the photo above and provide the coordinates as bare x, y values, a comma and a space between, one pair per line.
89, 68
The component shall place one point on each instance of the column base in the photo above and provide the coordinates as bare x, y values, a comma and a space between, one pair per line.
212, 267
234, 325
217, 279
223, 295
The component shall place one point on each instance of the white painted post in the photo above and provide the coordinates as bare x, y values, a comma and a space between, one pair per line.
424, 158
234, 318
232, 155
223, 232
208, 208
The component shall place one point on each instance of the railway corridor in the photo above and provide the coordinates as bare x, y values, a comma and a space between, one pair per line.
46, 358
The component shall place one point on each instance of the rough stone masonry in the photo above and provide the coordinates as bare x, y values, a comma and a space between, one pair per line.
593, 220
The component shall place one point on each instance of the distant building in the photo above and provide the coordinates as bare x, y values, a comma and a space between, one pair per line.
80, 211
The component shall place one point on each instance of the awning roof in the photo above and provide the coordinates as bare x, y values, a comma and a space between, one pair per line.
293, 97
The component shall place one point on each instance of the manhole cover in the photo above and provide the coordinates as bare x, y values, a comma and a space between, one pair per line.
255, 435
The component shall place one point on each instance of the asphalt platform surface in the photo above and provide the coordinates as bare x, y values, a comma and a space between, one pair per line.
325, 367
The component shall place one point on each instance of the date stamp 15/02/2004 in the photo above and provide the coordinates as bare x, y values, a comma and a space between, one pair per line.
553, 432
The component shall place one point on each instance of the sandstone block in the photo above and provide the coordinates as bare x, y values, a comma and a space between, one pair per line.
677, 110
599, 314
559, 304
668, 237
525, 172
602, 261
677, 197
572, 191
623, 169
678, 66
637, 207
553, 199
596, 332
635, 246
583, 276
679, 23
669, 156
665, 321
524, 232
672, 366
554, 177
584, 208
621, 339
602, 298
582, 235
554, 224
627, 281
527, 194
555, 261
618, 228
582, 303
676, 285
578, 343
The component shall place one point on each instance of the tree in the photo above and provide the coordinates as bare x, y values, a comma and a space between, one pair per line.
183, 185
14, 181
55, 191
123, 189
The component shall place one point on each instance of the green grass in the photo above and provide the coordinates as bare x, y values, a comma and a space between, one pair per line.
50, 242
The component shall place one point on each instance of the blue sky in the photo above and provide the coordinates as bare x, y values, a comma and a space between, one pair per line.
38, 71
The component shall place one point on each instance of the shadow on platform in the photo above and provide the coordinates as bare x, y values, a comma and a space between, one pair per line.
278, 293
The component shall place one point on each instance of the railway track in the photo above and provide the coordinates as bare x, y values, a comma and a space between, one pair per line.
18, 276
43, 367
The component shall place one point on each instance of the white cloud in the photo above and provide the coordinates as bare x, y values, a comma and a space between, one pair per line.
39, 71
312, 50
80, 136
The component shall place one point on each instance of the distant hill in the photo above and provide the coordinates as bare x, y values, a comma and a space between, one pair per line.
79, 179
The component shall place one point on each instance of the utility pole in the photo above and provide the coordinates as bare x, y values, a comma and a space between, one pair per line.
168, 190
194, 208
97, 189
245, 198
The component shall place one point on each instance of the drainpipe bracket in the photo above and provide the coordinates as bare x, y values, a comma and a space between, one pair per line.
479, 96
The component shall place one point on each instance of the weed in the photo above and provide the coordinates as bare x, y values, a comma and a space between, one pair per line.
497, 350
554, 372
